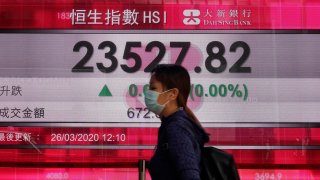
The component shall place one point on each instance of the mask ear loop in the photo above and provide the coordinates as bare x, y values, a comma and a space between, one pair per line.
168, 100
166, 91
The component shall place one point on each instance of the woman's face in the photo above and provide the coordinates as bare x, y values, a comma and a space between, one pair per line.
156, 85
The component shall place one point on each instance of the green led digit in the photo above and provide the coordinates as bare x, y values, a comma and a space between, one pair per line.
198, 90
133, 90
213, 90
223, 90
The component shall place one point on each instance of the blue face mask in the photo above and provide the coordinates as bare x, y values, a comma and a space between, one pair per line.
151, 100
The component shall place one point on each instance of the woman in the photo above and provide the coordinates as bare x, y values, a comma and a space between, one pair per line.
180, 136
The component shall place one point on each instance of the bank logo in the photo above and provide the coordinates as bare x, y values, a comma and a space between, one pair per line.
191, 17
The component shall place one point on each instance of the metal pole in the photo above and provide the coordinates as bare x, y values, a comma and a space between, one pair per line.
142, 169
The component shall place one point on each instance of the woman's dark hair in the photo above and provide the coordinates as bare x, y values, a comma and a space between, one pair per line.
176, 76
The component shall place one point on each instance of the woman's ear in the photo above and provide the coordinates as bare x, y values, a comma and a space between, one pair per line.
175, 92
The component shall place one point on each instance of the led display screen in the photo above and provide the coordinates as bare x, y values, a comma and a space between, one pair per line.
73, 76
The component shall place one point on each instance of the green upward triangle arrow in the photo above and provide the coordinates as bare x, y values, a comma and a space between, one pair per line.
105, 91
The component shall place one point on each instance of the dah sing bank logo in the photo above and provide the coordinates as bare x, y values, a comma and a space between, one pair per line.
191, 17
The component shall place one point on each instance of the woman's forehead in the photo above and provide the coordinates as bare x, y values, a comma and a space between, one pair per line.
154, 81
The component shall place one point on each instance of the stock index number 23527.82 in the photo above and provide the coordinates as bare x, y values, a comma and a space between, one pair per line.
215, 51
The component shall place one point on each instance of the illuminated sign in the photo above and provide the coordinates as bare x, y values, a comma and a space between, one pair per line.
93, 77
73, 76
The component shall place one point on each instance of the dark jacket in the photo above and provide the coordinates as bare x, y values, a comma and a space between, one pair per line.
177, 155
